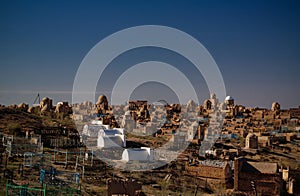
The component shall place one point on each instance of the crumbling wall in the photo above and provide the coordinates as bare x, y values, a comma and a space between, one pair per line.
209, 172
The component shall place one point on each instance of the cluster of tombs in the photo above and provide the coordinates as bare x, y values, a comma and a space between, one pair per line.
141, 117
260, 128
46, 108
248, 177
99, 136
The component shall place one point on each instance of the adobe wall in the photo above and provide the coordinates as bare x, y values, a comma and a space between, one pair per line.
208, 172
264, 183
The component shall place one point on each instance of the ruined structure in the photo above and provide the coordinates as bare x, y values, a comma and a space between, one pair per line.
128, 122
229, 101
102, 105
251, 141
23, 106
191, 106
295, 112
46, 106
104, 112
172, 118
62, 110
137, 118
139, 111
257, 177
214, 101
210, 169
207, 105
275, 106
196, 132
143, 114
34, 110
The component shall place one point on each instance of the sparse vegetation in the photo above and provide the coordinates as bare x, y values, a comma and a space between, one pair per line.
14, 128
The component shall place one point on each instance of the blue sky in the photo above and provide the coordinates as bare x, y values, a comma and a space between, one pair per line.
256, 44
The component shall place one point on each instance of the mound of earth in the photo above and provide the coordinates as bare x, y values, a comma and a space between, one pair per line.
16, 120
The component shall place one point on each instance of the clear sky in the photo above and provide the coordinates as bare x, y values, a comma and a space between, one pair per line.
255, 43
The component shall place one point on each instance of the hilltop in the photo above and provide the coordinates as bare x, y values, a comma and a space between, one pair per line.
12, 119
16, 121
